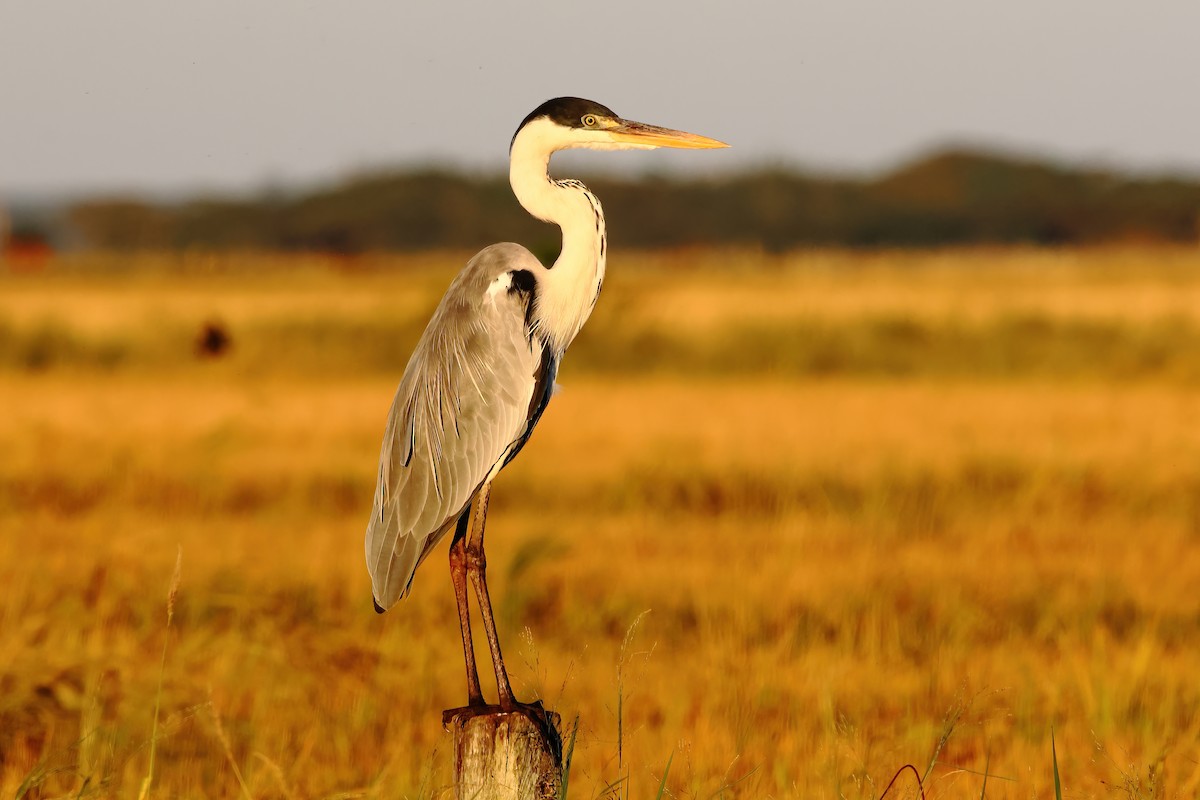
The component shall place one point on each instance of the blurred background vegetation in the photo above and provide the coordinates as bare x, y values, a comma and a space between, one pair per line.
950, 197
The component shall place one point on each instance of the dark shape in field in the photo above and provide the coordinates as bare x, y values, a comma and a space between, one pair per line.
213, 340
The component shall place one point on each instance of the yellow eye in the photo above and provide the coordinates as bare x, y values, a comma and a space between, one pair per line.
589, 120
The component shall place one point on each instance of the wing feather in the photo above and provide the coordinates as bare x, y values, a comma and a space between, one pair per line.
465, 404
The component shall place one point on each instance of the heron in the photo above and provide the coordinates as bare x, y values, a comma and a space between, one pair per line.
483, 371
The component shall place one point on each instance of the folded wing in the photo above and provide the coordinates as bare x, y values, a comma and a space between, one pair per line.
471, 393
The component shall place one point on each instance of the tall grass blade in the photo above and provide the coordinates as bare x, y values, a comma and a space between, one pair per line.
622, 660
986, 763
34, 779
952, 717
662, 786
228, 748
1054, 759
566, 772
892, 783
144, 792
620, 723
613, 789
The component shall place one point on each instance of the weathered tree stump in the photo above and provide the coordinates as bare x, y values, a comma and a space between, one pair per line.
505, 755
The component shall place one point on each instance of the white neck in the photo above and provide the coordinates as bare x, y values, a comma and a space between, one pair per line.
567, 291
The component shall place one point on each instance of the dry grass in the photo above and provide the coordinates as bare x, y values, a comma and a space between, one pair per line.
844, 568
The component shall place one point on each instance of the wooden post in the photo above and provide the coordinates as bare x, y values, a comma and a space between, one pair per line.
505, 755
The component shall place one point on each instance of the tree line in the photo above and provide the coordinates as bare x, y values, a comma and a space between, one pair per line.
952, 197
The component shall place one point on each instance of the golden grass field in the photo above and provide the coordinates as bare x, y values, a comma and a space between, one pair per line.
792, 523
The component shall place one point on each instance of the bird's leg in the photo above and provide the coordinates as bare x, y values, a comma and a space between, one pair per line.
546, 721
458, 575
477, 572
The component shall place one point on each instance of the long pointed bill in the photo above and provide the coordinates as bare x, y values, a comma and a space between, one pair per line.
642, 135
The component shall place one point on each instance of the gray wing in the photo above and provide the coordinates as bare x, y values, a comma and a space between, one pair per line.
470, 396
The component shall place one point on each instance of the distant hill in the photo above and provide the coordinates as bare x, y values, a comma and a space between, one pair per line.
950, 197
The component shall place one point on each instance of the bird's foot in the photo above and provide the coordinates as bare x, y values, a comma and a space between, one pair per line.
547, 721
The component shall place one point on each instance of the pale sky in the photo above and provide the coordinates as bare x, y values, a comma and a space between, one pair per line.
156, 95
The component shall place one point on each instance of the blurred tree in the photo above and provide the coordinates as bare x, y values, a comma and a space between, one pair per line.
123, 223
950, 197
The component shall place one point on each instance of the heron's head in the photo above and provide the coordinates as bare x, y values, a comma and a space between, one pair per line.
567, 122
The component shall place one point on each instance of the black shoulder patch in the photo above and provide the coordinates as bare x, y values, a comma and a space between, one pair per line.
525, 284
522, 281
